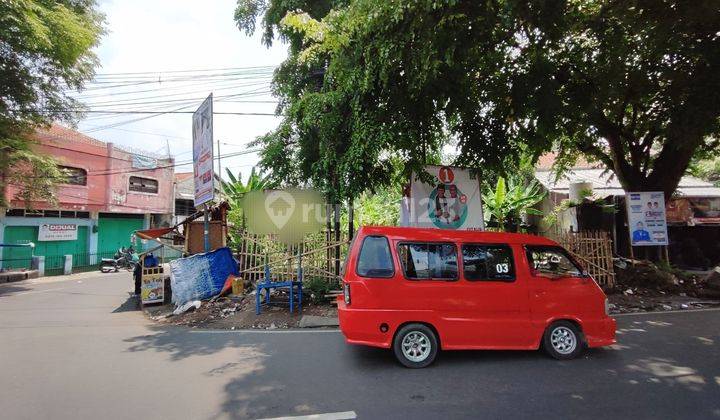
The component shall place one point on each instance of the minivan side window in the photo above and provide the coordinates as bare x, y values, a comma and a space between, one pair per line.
375, 259
428, 261
488, 263
551, 260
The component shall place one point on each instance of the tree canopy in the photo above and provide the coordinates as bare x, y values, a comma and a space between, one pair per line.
45, 51
632, 84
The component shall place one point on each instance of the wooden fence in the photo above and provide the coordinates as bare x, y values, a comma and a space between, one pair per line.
593, 249
322, 256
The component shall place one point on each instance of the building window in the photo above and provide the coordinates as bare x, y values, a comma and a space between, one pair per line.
488, 262
74, 176
184, 207
145, 185
428, 261
375, 259
47, 213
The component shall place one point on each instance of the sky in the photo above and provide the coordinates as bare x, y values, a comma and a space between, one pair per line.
160, 38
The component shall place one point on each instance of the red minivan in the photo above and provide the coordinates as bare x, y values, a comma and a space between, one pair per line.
421, 290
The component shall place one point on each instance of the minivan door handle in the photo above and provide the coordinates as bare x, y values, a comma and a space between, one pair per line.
539, 293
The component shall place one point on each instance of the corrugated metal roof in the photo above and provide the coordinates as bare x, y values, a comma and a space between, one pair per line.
605, 183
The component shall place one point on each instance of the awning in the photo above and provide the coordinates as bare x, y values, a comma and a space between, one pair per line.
153, 233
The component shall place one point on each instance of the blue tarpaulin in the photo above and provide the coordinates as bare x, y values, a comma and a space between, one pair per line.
201, 276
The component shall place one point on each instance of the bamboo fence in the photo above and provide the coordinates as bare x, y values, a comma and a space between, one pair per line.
593, 249
322, 256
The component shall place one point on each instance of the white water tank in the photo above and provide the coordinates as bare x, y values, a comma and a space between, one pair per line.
578, 190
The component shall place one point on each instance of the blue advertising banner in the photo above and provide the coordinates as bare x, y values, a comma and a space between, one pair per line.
647, 222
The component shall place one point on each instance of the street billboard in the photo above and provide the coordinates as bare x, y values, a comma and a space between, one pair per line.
290, 213
203, 158
647, 222
452, 201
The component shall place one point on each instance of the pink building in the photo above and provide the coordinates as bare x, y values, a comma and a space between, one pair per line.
110, 193
104, 178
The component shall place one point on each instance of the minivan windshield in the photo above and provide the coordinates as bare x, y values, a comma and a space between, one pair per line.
552, 260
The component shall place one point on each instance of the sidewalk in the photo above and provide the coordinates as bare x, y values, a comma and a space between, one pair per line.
71, 277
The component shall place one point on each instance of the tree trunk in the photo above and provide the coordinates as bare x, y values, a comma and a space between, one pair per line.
669, 167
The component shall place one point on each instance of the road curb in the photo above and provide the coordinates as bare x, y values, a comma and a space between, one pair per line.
681, 311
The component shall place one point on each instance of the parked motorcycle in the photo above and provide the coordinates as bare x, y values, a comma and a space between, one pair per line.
124, 258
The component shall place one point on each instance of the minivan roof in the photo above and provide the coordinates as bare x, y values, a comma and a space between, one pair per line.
446, 235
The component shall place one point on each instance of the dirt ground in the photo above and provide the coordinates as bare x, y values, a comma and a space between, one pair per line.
641, 286
238, 312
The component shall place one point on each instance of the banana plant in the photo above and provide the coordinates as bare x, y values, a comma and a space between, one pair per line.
235, 189
508, 201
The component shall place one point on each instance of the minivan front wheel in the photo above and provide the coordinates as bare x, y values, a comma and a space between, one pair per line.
563, 340
415, 345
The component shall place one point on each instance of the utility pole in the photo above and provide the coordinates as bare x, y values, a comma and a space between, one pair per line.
219, 157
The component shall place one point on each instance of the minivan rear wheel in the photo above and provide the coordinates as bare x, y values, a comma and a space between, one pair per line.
563, 340
415, 346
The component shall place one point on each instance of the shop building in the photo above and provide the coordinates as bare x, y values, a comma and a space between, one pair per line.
692, 213
110, 192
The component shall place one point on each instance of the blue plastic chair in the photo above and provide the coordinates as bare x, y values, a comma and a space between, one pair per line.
295, 289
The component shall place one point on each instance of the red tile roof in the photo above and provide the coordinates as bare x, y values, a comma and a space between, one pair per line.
546, 161
182, 176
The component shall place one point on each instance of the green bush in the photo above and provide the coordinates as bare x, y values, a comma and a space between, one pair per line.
318, 288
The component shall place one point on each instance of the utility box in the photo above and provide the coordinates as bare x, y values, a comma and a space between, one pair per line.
67, 264
38, 263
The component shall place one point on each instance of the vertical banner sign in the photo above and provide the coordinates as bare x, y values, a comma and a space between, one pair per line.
202, 132
647, 222
452, 201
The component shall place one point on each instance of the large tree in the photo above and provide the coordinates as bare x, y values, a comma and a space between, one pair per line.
633, 84
45, 52
322, 140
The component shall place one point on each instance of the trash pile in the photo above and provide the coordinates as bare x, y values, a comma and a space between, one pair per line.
238, 312
642, 286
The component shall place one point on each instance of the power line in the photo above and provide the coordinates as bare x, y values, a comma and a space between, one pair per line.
187, 162
106, 111
173, 165
141, 99
221, 98
166, 88
100, 85
190, 71
141, 132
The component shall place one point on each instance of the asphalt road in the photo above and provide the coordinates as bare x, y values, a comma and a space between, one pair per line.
71, 349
